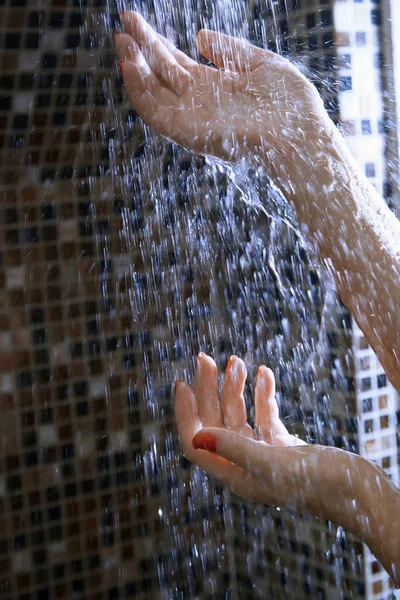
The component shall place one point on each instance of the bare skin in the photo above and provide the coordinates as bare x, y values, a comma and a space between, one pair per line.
271, 466
257, 105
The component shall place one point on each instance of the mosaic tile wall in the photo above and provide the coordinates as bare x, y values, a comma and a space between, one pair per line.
99, 294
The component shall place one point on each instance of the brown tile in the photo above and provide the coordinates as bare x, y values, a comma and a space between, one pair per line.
7, 362
33, 157
23, 359
90, 524
69, 251
17, 298
32, 257
61, 373
61, 591
11, 176
72, 510
34, 296
92, 543
12, 258
73, 529
56, 334
8, 197
127, 552
96, 367
78, 117
8, 62
23, 581
16, 19
7, 401
51, 253
65, 432
39, 119
54, 293
78, 369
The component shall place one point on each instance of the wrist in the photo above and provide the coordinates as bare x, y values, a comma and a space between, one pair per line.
315, 174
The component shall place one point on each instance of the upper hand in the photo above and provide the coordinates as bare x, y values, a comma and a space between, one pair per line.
254, 100
250, 462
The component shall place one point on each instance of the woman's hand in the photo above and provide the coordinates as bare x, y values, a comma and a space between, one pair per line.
215, 434
273, 467
256, 101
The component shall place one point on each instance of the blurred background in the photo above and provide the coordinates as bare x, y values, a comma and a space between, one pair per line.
121, 257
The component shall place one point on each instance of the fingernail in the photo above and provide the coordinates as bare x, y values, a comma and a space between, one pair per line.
121, 62
117, 33
228, 366
201, 355
204, 441
177, 382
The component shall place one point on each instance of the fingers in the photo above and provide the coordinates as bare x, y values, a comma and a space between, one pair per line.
162, 63
252, 456
127, 48
183, 59
186, 413
189, 424
206, 390
155, 104
232, 54
232, 400
274, 474
268, 424
266, 407
151, 101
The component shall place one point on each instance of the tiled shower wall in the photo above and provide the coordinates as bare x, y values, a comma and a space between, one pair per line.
96, 287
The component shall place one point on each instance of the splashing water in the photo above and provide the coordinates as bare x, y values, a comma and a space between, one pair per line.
213, 261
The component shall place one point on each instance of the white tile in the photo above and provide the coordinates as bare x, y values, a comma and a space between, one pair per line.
15, 277
48, 435
23, 103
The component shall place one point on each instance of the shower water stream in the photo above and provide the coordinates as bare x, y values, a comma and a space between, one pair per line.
214, 262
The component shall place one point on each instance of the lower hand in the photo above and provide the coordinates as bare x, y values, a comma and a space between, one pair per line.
215, 434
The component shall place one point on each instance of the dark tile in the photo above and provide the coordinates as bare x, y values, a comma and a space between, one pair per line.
5, 102
6, 82
36, 19
72, 40
46, 80
32, 41
66, 80
42, 100
56, 20
12, 41
26, 81
49, 61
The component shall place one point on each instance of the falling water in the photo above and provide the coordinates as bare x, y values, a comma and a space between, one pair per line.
209, 257
196, 255
213, 261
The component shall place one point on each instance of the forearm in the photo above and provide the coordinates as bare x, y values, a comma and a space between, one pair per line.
352, 492
357, 236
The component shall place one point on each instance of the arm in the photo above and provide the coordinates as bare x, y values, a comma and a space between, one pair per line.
271, 466
257, 104
325, 482
358, 237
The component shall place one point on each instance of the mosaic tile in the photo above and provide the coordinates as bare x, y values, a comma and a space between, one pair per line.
80, 418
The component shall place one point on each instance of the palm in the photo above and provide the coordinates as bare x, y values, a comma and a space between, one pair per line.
217, 111
201, 407
210, 123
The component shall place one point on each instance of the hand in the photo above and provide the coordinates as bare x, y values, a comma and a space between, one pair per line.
256, 101
215, 434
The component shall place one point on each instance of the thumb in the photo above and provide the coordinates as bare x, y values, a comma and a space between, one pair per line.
230, 53
251, 455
